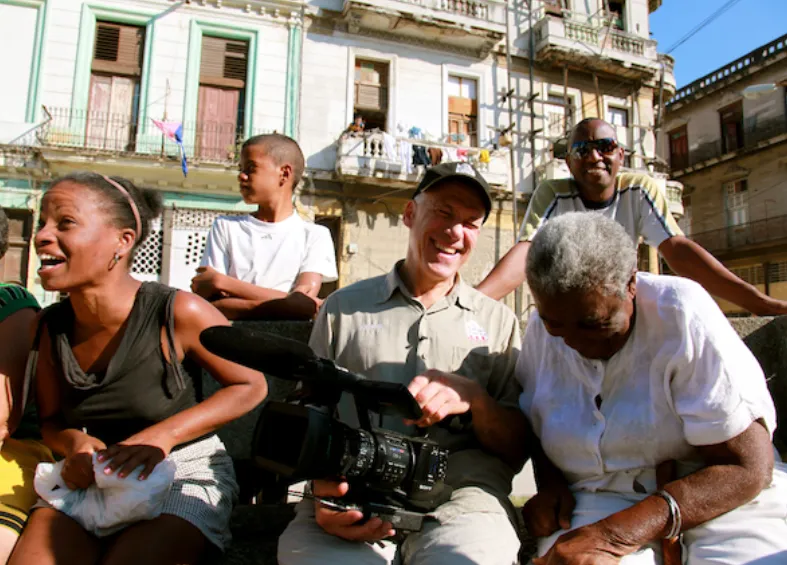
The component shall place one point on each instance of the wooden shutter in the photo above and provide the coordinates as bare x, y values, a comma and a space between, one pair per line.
679, 148
118, 49
13, 266
371, 85
217, 127
732, 126
224, 62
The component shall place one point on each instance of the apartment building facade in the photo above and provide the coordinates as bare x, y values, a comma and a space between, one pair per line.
725, 136
431, 80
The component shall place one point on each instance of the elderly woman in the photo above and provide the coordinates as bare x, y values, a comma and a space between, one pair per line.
625, 375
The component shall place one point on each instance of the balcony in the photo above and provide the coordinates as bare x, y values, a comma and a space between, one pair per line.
757, 134
674, 191
762, 233
104, 133
471, 27
590, 42
366, 159
111, 144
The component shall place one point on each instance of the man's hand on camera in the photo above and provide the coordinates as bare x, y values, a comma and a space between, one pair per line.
344, 524
442, 394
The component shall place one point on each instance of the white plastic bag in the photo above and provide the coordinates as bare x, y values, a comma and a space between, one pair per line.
111, 503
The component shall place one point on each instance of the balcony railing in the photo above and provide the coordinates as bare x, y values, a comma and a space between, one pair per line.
86, 130
728, 239
594, 33
754, 132
487, 10
370, 155
737, 67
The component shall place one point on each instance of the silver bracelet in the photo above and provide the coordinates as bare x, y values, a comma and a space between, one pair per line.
674, 512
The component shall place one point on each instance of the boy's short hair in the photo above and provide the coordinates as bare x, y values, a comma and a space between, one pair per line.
3, 233
282, 149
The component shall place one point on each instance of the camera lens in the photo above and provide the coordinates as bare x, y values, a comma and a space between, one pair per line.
358, 455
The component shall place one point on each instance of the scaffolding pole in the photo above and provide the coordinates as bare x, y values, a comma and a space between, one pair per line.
511, 152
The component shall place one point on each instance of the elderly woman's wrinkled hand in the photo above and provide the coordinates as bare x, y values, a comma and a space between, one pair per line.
549, 511
588, 545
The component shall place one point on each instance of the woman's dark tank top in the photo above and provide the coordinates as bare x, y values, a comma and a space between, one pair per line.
139, 387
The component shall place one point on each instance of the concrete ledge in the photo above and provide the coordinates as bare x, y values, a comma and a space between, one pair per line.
256, 528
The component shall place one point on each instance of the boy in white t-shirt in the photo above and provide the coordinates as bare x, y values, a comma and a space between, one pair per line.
269, 264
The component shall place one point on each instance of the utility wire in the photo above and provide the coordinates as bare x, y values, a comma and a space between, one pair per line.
702, 24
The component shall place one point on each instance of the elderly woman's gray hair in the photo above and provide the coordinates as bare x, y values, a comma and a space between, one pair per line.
580, 251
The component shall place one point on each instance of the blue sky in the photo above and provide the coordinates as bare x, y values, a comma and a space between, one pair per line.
742, 28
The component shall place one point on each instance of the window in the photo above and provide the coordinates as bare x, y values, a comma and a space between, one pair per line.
555, 7
13, 266
731, 127
222, 98
462, 111
371, 93
679, 148
334, 224
559, 118
615, 14
685, 222
116, 71
753, 274
737, 202
777, 272
619, 119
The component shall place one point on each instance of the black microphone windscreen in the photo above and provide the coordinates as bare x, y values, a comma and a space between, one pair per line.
266, 352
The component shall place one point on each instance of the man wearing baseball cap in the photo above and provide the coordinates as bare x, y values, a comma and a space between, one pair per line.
421, 325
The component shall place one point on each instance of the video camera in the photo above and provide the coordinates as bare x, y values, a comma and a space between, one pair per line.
393, 476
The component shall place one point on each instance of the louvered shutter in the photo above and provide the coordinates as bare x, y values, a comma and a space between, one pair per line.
118, 49
224, 62
371, 85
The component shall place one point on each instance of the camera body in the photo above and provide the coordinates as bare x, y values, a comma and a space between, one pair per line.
391, 475
305, 442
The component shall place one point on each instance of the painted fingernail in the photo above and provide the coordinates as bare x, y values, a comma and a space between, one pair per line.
107, 470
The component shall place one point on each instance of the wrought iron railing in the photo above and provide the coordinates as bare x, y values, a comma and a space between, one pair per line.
206, 141
730, 238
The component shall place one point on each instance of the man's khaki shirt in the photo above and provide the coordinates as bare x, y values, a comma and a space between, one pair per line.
376, 328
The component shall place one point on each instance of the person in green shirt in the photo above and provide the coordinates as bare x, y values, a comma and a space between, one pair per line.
20, 453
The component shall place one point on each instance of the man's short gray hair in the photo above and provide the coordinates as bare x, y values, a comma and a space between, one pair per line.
580, 251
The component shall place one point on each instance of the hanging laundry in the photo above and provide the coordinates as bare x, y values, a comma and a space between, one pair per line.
435, 155
174, 131
389, 146
420, 156
461, 154
415, 133
449, 155
406, 156
484, 156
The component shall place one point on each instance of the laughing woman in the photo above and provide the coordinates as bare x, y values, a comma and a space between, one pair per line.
109, 380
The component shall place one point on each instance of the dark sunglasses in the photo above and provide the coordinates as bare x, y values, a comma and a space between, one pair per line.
605, 146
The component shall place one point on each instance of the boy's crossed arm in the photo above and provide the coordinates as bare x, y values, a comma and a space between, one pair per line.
237, 299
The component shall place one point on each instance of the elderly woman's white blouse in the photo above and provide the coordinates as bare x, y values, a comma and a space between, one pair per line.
684, 378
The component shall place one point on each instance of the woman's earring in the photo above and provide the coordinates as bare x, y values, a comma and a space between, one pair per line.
115, 261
